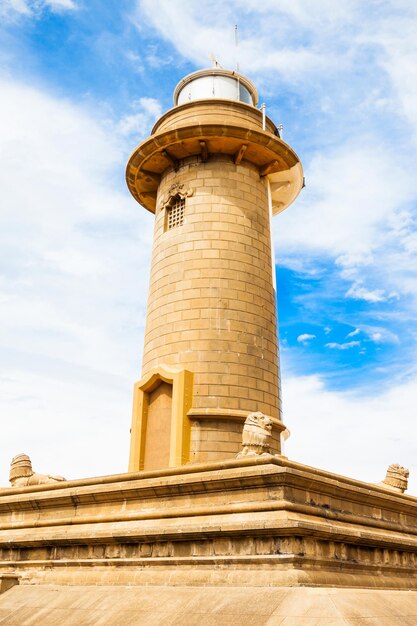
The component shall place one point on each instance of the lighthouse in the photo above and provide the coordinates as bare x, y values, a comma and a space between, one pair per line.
213, 171
211, 531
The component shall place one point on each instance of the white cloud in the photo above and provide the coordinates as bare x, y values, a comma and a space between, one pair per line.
326, 13
194, 31
73, 280
305, 338
343, 346
379, 334
331, 39
395, 35
353, 333
10, 10
59, 5
377, 337
71, 421
136, 60
146, 112
353, 211
357, 292
333, 430
349, 260
344, 195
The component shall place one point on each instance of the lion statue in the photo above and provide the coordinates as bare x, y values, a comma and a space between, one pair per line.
256, 435
22, 474
396, 478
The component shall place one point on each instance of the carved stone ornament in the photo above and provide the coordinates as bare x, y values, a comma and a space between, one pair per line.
22, 474
396, 478
177, 190
256, 435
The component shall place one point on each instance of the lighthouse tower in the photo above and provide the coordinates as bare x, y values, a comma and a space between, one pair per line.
213, 172
220, 539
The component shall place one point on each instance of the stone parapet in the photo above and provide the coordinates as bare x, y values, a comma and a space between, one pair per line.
262, 519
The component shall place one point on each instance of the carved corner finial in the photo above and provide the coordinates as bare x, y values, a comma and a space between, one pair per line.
256, 434
21, 473
396, 478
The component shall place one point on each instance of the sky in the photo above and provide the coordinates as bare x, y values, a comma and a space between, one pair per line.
81, 84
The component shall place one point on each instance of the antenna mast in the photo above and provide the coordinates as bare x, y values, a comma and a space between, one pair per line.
237, 46
237, 60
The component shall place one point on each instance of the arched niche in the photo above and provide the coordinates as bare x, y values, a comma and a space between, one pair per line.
160, 433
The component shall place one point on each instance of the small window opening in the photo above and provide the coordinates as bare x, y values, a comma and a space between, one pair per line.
175, 213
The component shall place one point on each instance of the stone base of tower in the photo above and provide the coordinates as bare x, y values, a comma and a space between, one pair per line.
167, 431
258, 540
217, 435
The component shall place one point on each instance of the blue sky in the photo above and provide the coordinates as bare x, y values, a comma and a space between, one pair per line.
81, 83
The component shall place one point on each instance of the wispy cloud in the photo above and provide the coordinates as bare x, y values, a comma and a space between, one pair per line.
136, 61
71, 241
343, 346
194, 33
319, 420
305, 338
358, 292
353, 333
13, 9
61, 5
10, 9
145, 113
380, 334
352, 221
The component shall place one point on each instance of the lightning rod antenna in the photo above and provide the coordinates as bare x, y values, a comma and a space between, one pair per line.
237, 47
237, 61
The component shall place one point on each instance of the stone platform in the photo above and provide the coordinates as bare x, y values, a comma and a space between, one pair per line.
262, 527
53, 605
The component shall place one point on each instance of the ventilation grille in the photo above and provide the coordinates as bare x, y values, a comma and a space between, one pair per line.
175, 213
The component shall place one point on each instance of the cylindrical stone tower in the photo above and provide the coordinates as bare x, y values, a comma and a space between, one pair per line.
213, 171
